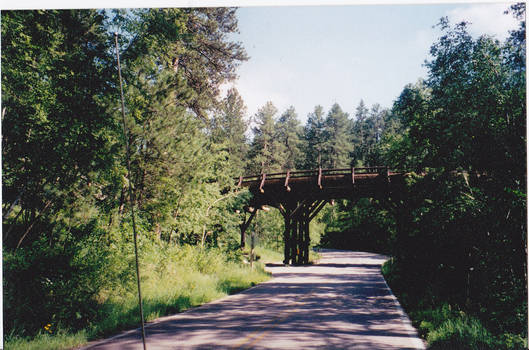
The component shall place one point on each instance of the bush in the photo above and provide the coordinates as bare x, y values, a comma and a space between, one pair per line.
461, 333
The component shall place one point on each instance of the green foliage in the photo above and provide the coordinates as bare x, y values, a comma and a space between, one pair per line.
55, 285
57, 134
365, 225
457, 233
315, 138
461, 333
46, 341
289, 134
337, 146
229, 128
266, 152
67, 246
461, 225
268, 228
173, 279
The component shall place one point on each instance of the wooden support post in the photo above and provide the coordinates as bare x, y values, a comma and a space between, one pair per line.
293, 241
244, 227
300, 239
287, 187
316, 210
299, 243
262, 183
306, 241
353, 175
287, 236
319, 178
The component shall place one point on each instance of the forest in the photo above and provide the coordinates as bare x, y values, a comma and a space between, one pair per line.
457, 237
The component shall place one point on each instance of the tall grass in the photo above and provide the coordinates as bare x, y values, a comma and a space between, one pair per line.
447, 327
43, 341
173, 279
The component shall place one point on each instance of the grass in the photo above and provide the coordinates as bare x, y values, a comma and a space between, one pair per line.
267, 255
174, 279
447, 327
46, 341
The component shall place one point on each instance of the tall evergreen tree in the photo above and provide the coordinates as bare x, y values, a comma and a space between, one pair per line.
288, 133
174, 62
57, 133
315, 138
266, 152
338, 144
229, 129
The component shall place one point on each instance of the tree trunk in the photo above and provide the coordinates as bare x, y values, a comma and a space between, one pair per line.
34, 220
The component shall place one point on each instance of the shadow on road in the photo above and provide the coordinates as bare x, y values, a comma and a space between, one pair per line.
340, 303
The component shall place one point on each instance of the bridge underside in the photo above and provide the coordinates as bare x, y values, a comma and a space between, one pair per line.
300, 196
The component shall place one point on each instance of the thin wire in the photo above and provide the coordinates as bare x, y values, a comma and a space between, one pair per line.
131, 195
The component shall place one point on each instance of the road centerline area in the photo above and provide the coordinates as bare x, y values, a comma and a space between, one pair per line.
342, 302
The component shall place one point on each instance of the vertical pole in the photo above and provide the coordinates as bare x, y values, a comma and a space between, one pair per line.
252, 246
286, 236
299, 245
131, 193
300, 239
307, 237
294, 240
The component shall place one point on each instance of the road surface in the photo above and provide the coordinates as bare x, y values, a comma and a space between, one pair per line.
342, 302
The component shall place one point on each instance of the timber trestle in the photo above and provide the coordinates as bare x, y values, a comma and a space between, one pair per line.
300, 195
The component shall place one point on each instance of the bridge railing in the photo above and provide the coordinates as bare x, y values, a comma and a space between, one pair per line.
319, 173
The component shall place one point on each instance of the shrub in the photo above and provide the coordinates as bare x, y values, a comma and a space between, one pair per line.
463, 333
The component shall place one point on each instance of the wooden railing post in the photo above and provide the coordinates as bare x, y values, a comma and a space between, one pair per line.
286, 181
262, 183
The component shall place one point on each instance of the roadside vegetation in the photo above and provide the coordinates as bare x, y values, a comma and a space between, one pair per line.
174, 279
457, 235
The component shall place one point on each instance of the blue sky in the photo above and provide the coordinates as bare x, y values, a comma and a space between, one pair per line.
309, 55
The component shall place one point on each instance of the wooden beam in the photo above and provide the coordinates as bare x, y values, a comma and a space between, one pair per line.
287, 237
301, 205
262, 183
293, 241
286, 181
317, 210
314, 205
306, 241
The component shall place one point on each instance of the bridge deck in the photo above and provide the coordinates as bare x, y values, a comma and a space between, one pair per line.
300, 195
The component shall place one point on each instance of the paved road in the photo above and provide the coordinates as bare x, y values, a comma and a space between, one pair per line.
342, 302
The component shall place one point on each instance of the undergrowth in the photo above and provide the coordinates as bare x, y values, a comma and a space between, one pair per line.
173, 279
446, 326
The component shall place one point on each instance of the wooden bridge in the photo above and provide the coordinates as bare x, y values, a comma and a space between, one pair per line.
300, 195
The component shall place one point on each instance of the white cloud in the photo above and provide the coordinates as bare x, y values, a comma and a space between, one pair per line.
486, 19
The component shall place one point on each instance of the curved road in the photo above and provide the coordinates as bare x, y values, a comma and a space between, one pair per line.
342, 302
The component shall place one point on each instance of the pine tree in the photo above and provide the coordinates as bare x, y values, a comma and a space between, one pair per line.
57, 134
174, 62
266, 153
288, 134
358, 133
315, 138
229, 129
338, 144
